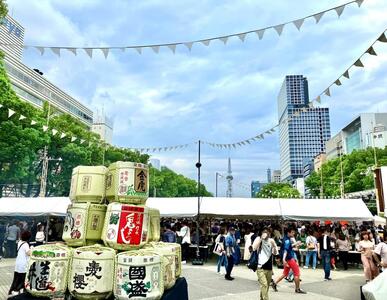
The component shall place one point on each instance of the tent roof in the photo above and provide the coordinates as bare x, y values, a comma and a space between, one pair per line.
291, 209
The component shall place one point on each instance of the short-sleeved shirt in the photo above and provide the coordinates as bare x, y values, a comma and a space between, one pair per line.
22, 257
381, 249
13, 232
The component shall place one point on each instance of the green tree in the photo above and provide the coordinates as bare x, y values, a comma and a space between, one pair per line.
3, 9
278, 190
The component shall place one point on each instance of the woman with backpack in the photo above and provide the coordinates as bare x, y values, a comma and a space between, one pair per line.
23, 252
220, 250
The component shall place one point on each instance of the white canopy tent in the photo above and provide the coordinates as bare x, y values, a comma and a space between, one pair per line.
290, 209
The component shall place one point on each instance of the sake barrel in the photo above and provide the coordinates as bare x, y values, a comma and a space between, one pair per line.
88, 184
127, 182
169, 263
48, 269
154, 231
173, 248
83, 224
126, 226
139, 275
91, 273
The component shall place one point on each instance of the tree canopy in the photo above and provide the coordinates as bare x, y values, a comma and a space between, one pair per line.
278, 190
3, 9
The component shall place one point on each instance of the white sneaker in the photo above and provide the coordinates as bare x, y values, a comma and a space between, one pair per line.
306, 267
183, 262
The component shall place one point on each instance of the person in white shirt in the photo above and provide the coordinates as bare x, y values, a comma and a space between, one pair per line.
40, 236
381, 250
23, 252
185, 234
247, 238
311, 246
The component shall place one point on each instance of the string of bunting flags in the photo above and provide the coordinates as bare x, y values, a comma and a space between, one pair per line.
382, 38
278, 28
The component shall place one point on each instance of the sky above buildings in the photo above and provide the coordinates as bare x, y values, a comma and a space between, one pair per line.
219, 93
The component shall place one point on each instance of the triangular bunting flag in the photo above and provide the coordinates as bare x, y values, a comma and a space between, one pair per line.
73, 139
358, 63
33, 122
189, 45
62, 135
156, 49
359, 2
172, 47
224, 39
318, 17
279, 28
123, 49
248, 141
298, 23
233, 145
346, 74
82, 141
55, 50
205, 42
1, 105
242, 36
338, 82
45, 128
327, 92
89, 51
40, 49
272, 130
105, 52
10, 112
22, 117
318, 99
165, 148
339, 10
72, 50
54, 132
243, 143
260, 33
138, 49
382, 38
371, 51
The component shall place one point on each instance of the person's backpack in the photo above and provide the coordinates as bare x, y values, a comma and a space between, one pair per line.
252, 264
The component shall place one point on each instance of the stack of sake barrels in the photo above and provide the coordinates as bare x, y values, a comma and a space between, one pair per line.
109, 206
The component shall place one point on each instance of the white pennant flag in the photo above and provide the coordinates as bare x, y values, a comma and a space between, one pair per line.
189, 45
55, 50
10, 112
318, 16
260, 33
242, 36
155, 49
62, 135
22, 117
318, 99
105, 52
73, 139
54, 132
327, 92
205, 42
172, 47
82, 141
89, 51
339, 10
224, 39
138, 49
40, 49
33, 122
72, 50
1, 105
279, 28
45, 128
359, 2
298, 23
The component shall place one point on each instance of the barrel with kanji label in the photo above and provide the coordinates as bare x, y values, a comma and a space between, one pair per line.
88, 184
48, 270
92, 273
154, 230
126, 226
173, 248
139, 275
83, 224
127, 182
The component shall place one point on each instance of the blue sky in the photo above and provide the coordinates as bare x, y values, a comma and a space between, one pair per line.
219, 93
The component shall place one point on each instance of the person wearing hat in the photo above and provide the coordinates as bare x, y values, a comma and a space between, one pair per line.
230, 250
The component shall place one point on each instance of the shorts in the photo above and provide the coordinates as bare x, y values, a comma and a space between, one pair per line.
292, 264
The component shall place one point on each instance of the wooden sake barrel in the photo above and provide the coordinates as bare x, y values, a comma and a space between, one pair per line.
139, 275
169, 263
83, 224
88, 184
91, 273
126, 226
172, 248
127, 182
48, 269
154, 230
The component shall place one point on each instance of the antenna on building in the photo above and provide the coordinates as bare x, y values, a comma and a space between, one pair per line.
229, 179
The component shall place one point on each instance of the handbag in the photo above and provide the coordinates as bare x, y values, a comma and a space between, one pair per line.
218, 249
311, 246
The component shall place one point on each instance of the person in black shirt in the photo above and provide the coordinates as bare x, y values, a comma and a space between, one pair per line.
324, 252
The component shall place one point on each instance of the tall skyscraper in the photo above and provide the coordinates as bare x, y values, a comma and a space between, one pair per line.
229, 179
268, 171
305, 135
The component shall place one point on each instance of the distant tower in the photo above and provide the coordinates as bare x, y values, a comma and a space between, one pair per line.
268, 175
229, 179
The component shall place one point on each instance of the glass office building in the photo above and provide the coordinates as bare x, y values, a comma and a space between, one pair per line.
304, 136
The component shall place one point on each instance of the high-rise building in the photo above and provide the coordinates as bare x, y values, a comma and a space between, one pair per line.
104, 127
276, 176
304, 136
256, 187
366, 130
268, 175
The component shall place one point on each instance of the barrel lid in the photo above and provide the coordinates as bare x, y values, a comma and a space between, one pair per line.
50, 251
97, 250
90, 169
127, 164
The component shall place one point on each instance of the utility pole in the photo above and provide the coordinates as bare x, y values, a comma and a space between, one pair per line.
198, 166
321, 179
43, 178
342, 174
216, 184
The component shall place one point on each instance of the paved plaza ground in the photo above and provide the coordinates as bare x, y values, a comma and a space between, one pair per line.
205, 284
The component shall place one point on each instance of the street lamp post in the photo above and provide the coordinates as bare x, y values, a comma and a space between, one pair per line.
216, 184
198, 165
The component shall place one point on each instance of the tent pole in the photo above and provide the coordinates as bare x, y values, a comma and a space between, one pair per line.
47, 227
